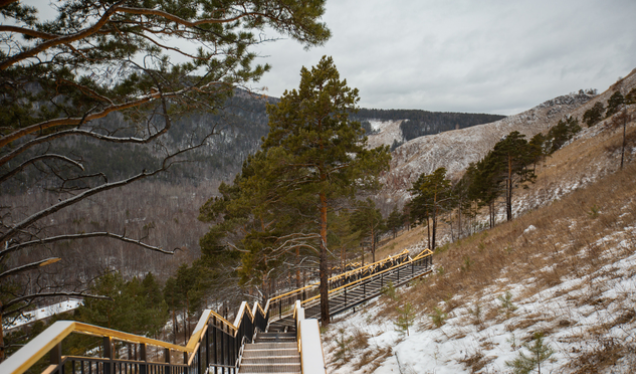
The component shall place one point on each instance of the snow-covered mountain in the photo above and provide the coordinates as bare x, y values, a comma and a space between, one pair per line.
456, 149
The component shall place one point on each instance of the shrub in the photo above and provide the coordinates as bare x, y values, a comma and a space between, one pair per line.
389, 290
594, 115
438, 316
614, 102
506, 306
539, 352
406, 318
467, 264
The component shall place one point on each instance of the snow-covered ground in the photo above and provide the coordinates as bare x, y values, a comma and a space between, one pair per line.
582, 317
46, 312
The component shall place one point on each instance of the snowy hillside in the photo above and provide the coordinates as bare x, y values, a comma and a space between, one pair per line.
386, 133
566, 271
454, 150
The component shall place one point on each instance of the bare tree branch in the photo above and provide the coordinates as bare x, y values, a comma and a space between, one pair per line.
53, 239
33, 265
43, 157
49, 294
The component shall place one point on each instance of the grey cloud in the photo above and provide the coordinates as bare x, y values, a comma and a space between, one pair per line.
487, 56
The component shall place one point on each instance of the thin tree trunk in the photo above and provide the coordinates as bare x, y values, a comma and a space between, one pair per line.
428, 232
297, 267
459, 224
509, 194
324, 286
434, 227
1, 336
174, 323
372, 245
624, 139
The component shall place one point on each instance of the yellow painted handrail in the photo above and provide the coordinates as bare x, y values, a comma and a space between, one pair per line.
26, 357
20, 362
342, 275
427, 252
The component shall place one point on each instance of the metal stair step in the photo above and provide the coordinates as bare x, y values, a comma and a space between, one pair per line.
270, 368
270, 346
272, 360
287, 352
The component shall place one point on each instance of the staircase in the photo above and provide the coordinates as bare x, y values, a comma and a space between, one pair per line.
272, 352
353, 295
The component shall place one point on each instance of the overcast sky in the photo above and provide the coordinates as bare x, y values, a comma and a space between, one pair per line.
487, 56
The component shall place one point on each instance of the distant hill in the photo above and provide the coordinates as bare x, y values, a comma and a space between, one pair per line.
414, 123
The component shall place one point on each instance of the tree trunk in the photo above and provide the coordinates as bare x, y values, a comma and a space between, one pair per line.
297, 267
372, 245
434, 227
459, 224
324, 285
428, 232
491, 211
509, 191
1, 336
624, 130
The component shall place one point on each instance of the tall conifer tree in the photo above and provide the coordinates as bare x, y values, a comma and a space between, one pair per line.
315, 156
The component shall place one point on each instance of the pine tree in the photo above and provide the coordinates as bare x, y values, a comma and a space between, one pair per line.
367, 220
406, 318
614, 103
432, 195
539, 353
131, 307
513, 156
594, 115
315, 156
561, 133
394, 221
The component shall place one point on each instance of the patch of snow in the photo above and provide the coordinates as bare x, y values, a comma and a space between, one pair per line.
43, 313
530, 228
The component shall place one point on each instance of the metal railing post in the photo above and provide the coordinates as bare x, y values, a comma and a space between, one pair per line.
381, 281
166, 353
143, 368
56, 355
108, 353
207, 348
398, 269
345, 298
216, 347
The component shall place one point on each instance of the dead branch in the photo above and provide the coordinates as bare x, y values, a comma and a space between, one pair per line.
43, 157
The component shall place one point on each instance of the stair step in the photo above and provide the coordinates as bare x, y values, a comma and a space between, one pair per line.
287, 352
269, 368
272, 360
269, 346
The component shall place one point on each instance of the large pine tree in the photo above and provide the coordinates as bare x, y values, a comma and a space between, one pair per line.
315, 157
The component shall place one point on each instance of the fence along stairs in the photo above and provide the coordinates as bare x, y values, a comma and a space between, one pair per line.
254, 342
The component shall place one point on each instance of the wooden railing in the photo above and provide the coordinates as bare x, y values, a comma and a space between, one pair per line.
420, 259
282, 305
214, 347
